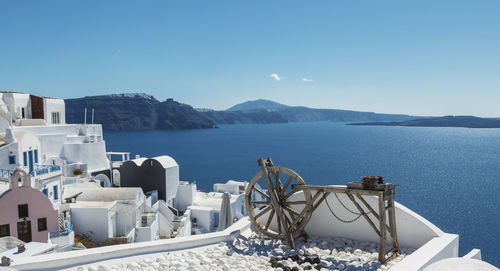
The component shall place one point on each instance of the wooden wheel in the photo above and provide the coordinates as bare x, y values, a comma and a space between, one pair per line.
273, 207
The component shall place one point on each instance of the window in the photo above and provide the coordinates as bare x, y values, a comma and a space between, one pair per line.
55, 118
35, 153
25, 159
42, 224
4, 230
23, 210
12, 159
56, 195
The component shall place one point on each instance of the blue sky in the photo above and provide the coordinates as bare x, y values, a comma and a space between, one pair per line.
415, 57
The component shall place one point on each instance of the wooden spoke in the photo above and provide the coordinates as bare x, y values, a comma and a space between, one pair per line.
261, 193
285, 198
289, 222
295, 202
269, 220
279, 187
287, 183
263, 212
260, 202
291, 211
279, 224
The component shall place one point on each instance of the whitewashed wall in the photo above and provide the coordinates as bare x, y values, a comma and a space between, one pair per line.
185, 195
54, 105
412, 229
172, 181
93, 154
93, 222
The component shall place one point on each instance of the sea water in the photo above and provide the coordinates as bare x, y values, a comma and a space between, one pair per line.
450, 176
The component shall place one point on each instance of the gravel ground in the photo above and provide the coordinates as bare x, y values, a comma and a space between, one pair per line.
258, 253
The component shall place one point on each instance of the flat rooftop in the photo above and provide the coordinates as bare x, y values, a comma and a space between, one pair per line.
93, 204
259, 253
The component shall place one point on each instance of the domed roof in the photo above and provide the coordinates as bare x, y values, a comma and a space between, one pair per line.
166, 161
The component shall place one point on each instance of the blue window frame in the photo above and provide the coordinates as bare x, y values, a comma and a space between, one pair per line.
12, 159
25, 159
36, 156
56, 195
30, 161
46, 192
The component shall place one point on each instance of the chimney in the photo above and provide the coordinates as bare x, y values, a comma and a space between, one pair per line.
21, 248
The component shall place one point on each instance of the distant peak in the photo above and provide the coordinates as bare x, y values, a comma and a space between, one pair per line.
257, 105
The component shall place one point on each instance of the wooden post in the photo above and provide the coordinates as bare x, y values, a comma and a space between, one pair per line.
392, 220
381, 211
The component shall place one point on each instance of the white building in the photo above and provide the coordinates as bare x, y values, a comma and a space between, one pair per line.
25, 109
22, 150
24, 117
34, 137
159, 173
109, 213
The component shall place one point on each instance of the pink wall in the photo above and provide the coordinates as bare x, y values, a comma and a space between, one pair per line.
39, 206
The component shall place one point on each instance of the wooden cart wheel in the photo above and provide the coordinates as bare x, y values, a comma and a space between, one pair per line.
265, 213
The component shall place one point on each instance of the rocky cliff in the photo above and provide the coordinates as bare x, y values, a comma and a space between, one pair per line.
135, 111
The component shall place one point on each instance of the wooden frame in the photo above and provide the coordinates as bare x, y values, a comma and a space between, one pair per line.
289, 226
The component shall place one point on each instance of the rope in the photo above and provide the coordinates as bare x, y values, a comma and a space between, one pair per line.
340, 219
345, 207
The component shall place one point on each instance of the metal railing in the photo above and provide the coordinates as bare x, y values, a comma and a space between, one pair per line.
64, 232
69, 180
6, 173
45, 169
39, 170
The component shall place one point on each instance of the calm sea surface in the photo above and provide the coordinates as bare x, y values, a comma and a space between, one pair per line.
451, 176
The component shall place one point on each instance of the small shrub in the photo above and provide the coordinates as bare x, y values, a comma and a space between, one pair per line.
77, 172
85, 240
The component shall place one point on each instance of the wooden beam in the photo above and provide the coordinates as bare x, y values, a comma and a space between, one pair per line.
363, 213
371, 210
334, 189
392, 221
381, 210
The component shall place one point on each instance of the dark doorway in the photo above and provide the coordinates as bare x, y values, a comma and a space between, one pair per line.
36, 107
24, 231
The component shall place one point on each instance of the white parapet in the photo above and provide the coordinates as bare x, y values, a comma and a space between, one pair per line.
75, 258
442, 247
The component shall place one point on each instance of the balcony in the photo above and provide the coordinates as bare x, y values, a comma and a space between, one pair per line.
63, 237
6, 173
68, 229
40, 170
45, 169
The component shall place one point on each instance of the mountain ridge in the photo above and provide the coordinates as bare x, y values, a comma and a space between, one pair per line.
306, 114
446, 121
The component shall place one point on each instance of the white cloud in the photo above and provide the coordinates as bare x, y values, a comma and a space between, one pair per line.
306, 80
275, 77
